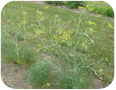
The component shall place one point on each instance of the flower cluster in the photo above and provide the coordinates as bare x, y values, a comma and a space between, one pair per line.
62, 37
92, 23
110, 26
91, 8
65, 36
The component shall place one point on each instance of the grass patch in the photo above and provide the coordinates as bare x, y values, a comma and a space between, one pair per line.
81, 43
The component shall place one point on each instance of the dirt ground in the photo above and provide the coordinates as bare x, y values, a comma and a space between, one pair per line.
14, 76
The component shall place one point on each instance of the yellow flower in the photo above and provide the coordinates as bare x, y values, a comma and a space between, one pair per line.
110, 26
67, 34
60, 37
92, 23
63, 35
69, 38
81, 7
63, 40
64, 32
66, 38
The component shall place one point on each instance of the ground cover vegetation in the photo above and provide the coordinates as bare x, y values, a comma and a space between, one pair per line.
81, 47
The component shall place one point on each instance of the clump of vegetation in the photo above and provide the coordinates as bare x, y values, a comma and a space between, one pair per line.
26, 56
55, 2
109, 12
75, 4
39, 73
82, 81
14, 46
13, 52
106, 11
8, 49
70, 4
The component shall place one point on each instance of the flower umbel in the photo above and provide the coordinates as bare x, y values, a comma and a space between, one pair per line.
92, 23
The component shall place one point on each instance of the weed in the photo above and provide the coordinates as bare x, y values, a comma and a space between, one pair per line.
81, 81
69, 58
38, 73
13, 51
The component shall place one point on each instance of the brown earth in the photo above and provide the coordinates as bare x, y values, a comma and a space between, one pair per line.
14, 76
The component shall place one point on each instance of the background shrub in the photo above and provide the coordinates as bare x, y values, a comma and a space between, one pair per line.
109, 12
55, 2
75, 4
106, 11
48, 2
38, 73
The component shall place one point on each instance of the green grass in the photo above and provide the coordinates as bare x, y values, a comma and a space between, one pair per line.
92, 50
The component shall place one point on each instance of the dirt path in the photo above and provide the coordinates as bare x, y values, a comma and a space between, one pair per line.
97, 84
14, 76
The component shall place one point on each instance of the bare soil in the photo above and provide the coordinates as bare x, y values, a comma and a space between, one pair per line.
14, 76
